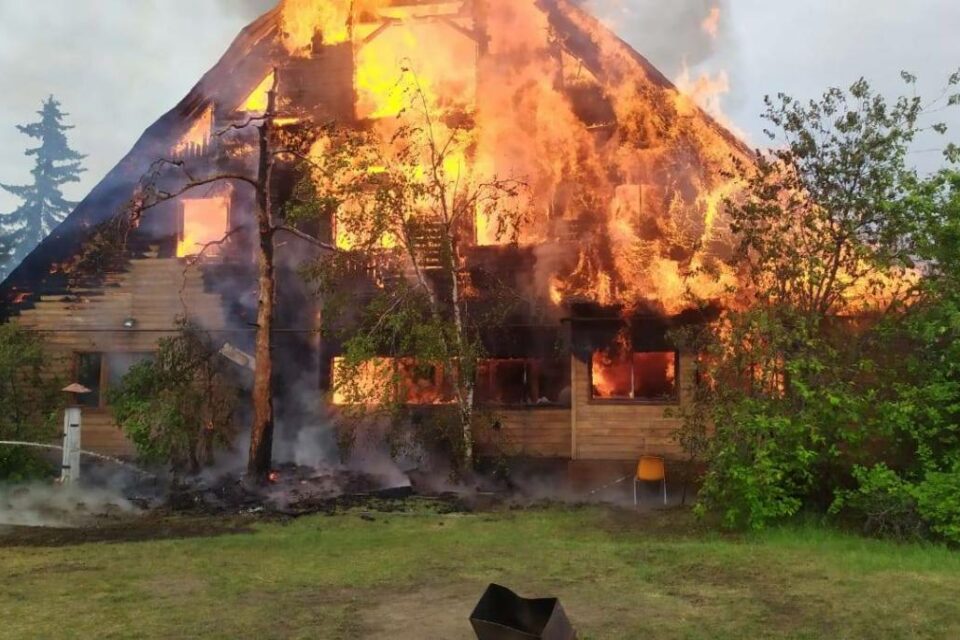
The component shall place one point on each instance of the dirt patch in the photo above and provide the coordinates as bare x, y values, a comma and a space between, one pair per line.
171, 524
404, 615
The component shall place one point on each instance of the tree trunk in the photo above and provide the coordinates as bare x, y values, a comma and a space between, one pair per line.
465, 395
261, 432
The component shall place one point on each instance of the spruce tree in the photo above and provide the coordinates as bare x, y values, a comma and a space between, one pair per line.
6, 253
44, 206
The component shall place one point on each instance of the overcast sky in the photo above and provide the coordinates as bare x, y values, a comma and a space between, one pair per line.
117, 65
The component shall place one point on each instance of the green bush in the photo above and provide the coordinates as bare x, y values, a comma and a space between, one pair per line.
178, 406
938, 501
832, 383
30, 403
882, 502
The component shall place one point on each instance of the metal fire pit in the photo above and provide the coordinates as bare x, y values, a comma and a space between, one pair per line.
503, 615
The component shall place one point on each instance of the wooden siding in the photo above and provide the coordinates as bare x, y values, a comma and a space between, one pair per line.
604, 430
154, 292
536, 432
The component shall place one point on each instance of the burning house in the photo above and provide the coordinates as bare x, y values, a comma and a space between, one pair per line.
625, 177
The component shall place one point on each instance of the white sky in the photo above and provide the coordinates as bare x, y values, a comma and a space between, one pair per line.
117, 65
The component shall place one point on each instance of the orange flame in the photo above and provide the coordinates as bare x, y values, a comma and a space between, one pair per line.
624, 172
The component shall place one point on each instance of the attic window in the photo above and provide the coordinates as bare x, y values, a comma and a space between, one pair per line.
204, 221
256, 102
639, 376
195, 141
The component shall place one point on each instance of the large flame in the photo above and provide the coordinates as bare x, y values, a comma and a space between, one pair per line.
625, 175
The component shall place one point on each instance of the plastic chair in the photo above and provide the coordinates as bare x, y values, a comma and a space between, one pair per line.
650, 469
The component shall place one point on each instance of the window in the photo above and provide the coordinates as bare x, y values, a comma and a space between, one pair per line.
524, 381
644, 376
102, 371
204, 221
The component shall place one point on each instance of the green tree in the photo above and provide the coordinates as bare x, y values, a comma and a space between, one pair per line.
405, 208
29, 402
798, 370
178, 406
44, 206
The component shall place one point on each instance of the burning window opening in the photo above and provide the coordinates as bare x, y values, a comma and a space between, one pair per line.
196, 140
204, 221
524, 382
256, 102
102, 371
383, 380
386, 52
643, 376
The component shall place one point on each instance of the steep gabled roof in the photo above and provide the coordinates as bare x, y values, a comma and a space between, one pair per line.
228, 82
249, 60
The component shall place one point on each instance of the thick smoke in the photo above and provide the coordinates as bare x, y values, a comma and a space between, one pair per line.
46, 505
670, 34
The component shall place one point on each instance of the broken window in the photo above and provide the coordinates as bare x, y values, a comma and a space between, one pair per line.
204, 221
256, 102
194, 142
524, 381
646, 376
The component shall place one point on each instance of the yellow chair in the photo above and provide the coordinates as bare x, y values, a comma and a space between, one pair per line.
650, 469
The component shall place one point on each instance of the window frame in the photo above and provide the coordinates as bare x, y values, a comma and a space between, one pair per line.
527, 371
671, 402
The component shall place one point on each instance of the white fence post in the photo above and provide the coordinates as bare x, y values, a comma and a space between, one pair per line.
70, 470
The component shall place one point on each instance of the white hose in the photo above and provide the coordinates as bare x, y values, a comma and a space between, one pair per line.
117, 461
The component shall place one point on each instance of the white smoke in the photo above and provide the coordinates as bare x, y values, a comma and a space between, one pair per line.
52, 505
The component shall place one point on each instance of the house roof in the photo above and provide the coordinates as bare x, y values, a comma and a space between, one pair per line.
248, 60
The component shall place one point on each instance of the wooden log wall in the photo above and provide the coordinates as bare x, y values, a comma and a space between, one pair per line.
153, 292
537, 432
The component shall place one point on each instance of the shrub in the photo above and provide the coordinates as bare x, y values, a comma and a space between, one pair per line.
883, 503
29, 402
178, 406
938, 501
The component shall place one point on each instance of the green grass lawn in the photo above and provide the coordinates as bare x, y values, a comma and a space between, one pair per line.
417, 575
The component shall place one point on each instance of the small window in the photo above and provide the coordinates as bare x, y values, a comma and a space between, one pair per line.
646, 376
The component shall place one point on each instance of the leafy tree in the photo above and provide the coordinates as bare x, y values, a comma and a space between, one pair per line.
44, 206
29, 402
170, 179
800, 373
404, 207
178, 407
